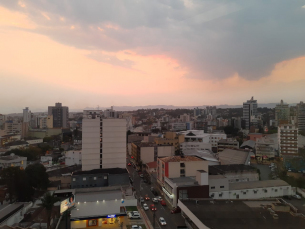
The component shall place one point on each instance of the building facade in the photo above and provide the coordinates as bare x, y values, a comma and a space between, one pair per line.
249, 110
73, 157
103, 141
282, 113
288, 139
227, 143
60, 115
13, 161
301, 116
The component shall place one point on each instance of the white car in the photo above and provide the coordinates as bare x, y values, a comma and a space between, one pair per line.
155, 200
141, 199
132, 215
297, 197
162, 221
145, 207
136, 227
159, 198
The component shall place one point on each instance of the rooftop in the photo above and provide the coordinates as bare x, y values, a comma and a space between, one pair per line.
152, 164
233, 156
257, 184
145, 144
204, 154
180, 158
64, 170
249, 143
97, 171
222, 169
222, 214
11, 157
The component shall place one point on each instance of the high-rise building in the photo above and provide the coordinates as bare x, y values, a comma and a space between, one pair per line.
288, 138
282, 113
301, 116
185, 118
211, 110
2, 120
197, 111
60, 115
110, 113
249, 110
26, 115
103, 141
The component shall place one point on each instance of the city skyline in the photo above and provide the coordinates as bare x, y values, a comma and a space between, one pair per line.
139, 53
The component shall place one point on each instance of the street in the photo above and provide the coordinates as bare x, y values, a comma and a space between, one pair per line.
172, 220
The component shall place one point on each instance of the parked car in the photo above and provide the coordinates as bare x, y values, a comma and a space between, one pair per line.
297, 197
134, 215
153, 207
155, 200
146, 197
141, 199
163, 203
162, 221
129, 164
136, 227
145, 207
176, 210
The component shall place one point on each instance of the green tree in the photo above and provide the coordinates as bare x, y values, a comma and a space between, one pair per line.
48, 201
17, 183
38, 177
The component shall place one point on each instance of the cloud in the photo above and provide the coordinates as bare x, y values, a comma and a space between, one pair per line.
211, 39
113, 60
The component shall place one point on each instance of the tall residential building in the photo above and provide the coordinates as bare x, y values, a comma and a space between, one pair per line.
103, 141
197, 111
60, 115
211, 110
26, 115
185, 118
110, 113
301, 116
2, 120
13, 127
282, 113
288, 139
249, 110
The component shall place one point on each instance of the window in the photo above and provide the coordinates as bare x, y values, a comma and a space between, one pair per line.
94, 178
84, 178
212, 187
275, 190
222, 186
105, 177
182, 165
74, 179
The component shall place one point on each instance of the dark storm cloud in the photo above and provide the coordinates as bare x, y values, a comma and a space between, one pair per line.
211, 39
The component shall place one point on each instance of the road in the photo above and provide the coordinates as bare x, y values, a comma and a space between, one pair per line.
172, 220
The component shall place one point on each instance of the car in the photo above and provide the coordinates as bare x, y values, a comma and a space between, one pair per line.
159, 198
271, 166
146, 197
141, 199
129, 164
163, 203
154, 192
145, 207
297, 197
287, 197
153, 207
133, 215
176, 210
155, 200
162, 221
141, 175
136, 227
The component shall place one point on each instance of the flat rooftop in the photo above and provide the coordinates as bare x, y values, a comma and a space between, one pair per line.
237, 214
233, 156
180, 158
222, 169
97, 171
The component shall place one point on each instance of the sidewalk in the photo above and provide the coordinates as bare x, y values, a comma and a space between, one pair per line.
146, 220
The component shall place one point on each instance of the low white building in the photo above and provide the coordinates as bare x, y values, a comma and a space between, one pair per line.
190, 146
14, 213
13, 161
220, 188
44, 159
73, 157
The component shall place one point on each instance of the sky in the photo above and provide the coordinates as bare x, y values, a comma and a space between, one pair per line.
137, 52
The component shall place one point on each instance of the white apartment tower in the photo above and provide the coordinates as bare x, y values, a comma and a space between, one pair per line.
103, 141
288, 139
249, 110
26, 115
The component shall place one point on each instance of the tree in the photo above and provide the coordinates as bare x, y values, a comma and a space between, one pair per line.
17, 183
48, 201
38, 177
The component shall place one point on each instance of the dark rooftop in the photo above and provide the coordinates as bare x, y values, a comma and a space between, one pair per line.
222, 214
97, 171
222, 169
65, 170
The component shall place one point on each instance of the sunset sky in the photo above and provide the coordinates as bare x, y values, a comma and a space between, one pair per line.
85, 53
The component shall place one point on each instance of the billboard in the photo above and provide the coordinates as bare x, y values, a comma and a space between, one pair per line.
67, 204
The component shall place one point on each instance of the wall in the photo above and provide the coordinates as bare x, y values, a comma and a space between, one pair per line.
166, 151
65, 181
73, 157
242, 176
147, 154
249, 193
